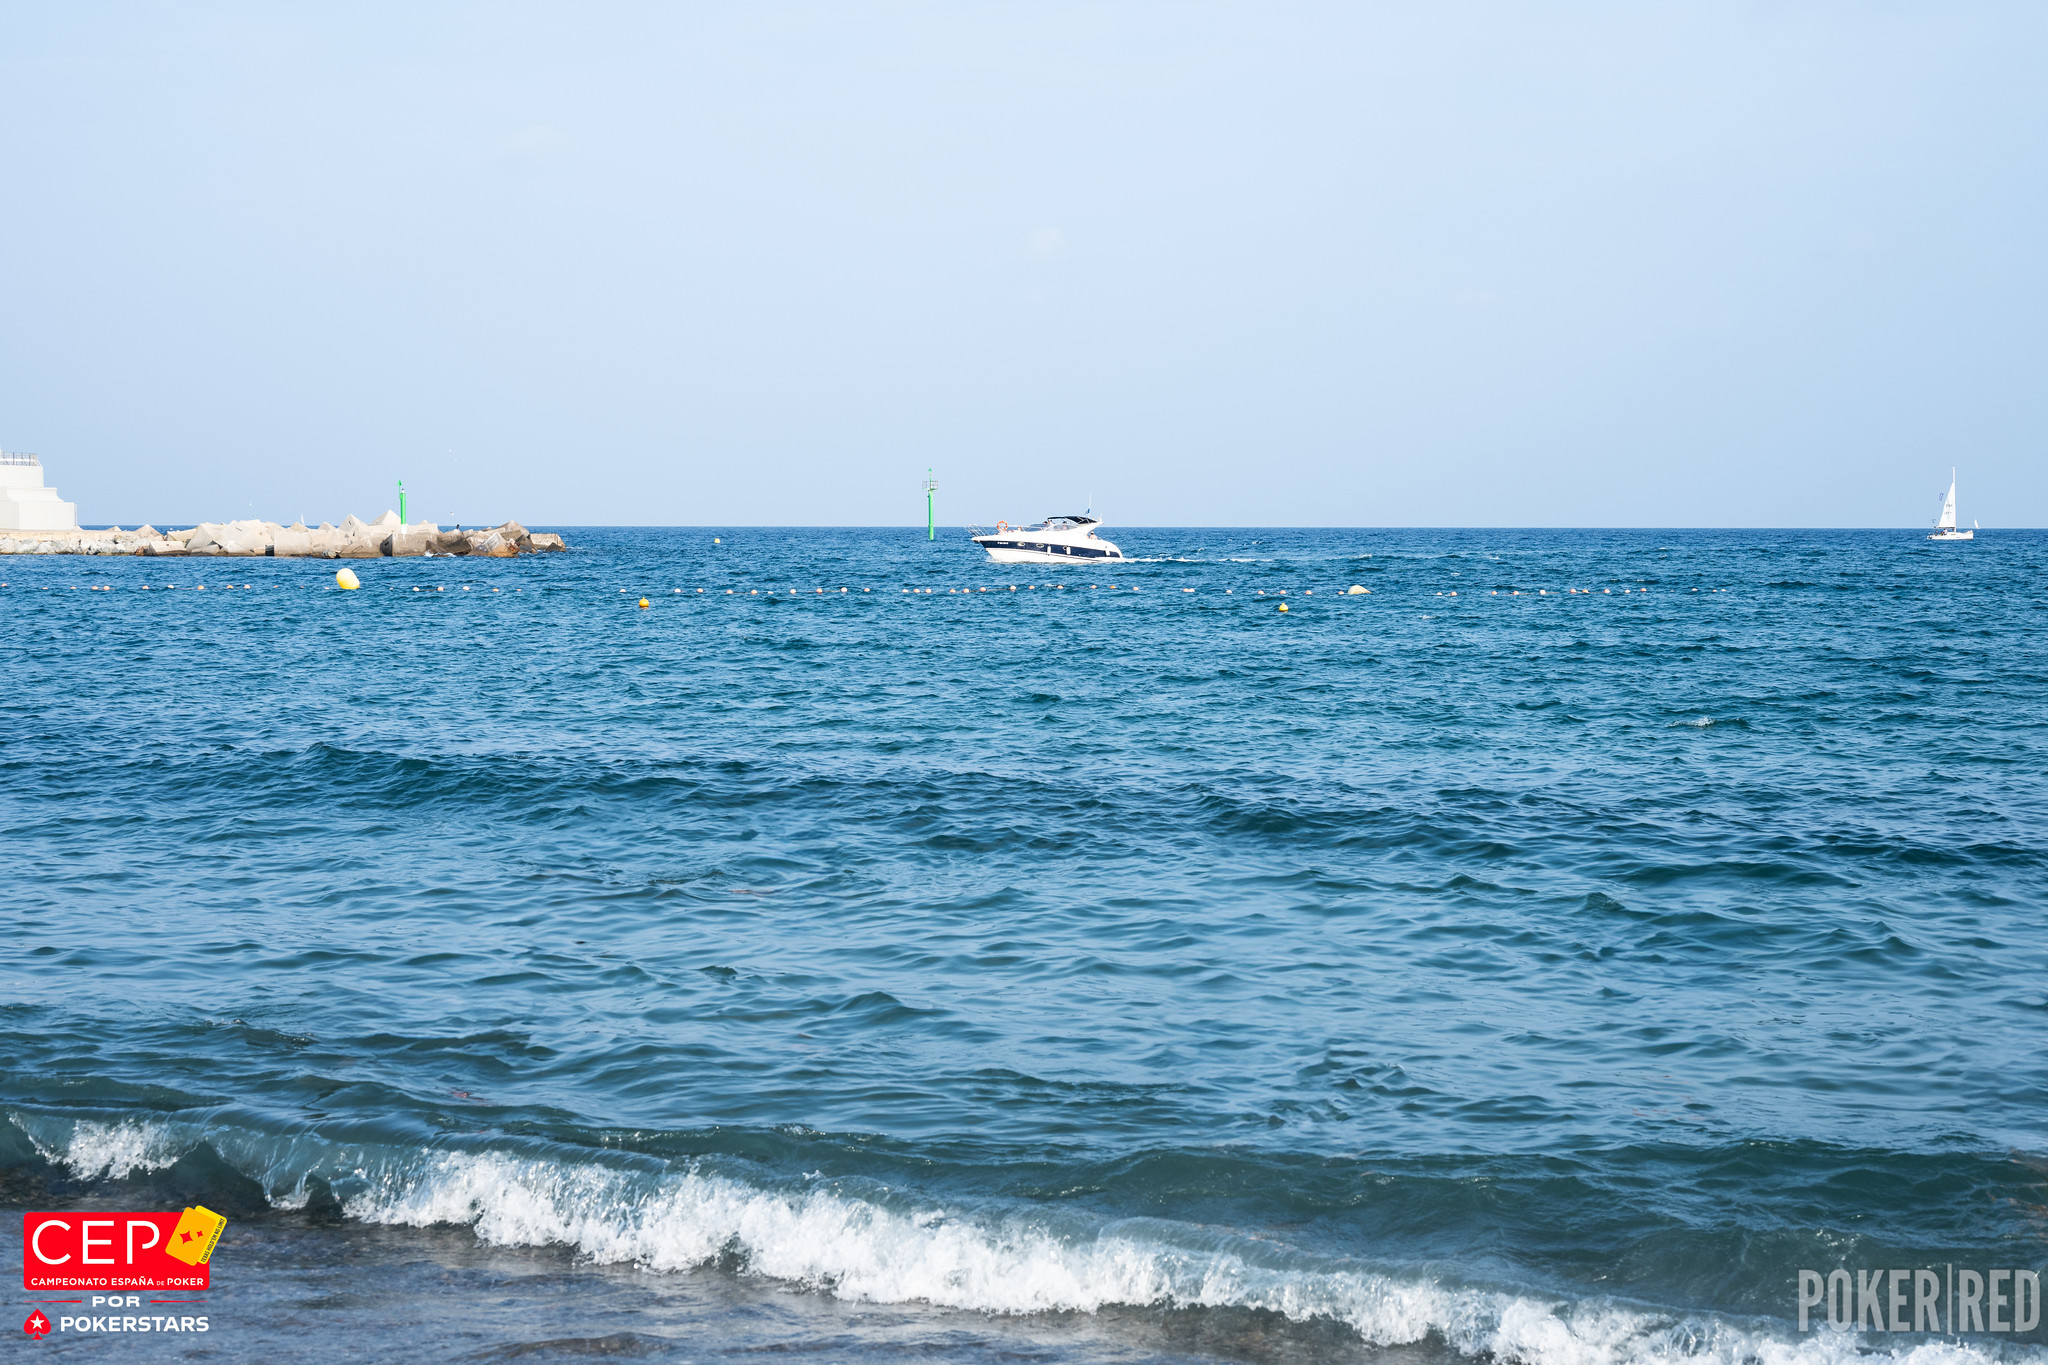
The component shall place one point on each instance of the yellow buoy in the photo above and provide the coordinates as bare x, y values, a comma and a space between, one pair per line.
346, 578
1283, 606
643, 603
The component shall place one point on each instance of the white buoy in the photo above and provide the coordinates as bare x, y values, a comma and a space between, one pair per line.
1355, 590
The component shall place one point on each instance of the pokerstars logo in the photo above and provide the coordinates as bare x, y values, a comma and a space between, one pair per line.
151, 1319
95, 1251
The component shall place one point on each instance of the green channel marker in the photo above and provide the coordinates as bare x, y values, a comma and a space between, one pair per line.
930, 527
401, 502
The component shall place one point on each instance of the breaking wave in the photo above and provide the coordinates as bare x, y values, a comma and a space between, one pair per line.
93, 1150
874, 1244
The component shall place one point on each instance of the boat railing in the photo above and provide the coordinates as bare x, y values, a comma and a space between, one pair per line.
19, 459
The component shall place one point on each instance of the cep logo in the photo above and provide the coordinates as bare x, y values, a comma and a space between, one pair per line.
95, 1250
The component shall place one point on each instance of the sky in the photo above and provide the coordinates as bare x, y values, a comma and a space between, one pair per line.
1455, 263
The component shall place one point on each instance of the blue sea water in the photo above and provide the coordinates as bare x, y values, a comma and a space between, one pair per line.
1099, 966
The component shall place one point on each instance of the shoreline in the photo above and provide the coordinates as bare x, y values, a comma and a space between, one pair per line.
321, 1290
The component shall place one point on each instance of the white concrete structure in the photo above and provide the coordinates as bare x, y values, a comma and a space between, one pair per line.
25, 505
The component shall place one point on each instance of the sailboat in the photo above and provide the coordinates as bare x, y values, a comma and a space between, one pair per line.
1945, 528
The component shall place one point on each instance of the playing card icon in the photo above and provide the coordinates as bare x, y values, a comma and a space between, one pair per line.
37, 1325
193, 1239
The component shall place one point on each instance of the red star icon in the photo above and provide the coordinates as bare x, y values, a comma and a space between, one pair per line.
37, 1325
188, 1236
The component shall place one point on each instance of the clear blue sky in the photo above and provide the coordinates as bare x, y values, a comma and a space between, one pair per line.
1669, 264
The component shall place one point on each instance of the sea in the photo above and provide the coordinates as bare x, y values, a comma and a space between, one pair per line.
716, 944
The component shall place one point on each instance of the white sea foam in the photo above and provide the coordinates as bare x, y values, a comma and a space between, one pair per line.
886, 1250
883, 1247
92, 1150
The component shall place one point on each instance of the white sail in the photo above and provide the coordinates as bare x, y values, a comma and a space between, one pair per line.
1948, 506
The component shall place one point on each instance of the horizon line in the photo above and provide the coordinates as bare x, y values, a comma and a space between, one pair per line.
176, 523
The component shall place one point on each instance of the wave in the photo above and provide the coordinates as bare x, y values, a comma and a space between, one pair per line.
895, 1250
867, 1242
108, 1151
946, 808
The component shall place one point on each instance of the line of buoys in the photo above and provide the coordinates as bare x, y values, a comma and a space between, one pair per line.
346, 579
1355, 590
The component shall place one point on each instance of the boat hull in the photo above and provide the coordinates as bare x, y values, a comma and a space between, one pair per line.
1953, 535
1004, 550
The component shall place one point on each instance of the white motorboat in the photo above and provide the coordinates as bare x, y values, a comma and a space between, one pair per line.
1945, 525
1056, 540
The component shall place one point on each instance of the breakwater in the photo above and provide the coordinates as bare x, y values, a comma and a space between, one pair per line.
385, 537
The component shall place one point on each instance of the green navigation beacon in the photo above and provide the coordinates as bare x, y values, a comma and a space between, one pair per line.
930, 527
401, 502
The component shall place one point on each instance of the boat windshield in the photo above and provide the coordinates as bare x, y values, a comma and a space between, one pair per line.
1056, 524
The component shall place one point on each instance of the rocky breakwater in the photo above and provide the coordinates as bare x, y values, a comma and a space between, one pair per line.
353, 539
